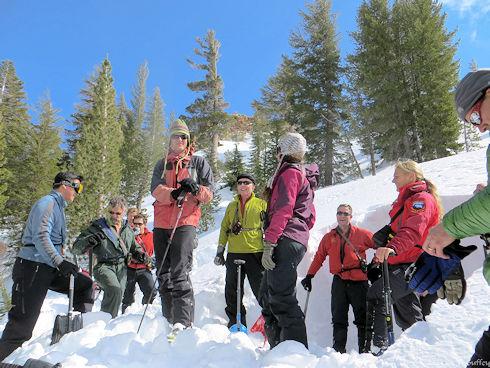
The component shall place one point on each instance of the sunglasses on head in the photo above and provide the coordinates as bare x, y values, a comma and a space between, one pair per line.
244, 182
181, 136
78, 187
340, 213
115, 213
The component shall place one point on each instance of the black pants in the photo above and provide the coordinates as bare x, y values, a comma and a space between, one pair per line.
175, 285
481, 357
345, 293
284, 319
31, 281
253, 270
144, 278
406, 304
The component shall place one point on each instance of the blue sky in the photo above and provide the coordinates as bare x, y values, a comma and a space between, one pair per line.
56, 44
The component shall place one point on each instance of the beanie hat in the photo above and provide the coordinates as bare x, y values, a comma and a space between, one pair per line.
180, 127
469, 90
246, 176
293, 144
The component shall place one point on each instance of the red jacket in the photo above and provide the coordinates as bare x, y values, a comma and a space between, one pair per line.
164, 181
145, 240
420, 213
334, 244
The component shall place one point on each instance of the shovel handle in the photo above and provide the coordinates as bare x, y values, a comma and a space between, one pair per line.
70, 294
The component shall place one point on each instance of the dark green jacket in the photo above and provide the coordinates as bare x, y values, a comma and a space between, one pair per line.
472, 217
110, 250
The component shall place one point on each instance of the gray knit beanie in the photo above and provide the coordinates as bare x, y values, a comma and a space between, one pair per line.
470, 89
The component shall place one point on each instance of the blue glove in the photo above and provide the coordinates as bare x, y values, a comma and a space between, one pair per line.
429, 272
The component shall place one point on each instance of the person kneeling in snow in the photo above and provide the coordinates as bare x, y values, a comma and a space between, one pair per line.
40, 265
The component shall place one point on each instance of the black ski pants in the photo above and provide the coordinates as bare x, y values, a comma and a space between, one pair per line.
144, 278
406, 303
345, 293
284, 319
253, 270
481, 357
31, 281
174, 281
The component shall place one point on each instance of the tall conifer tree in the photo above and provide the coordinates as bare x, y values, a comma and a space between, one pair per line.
98, 142
15, 121
134, 169
315, 83
208, 118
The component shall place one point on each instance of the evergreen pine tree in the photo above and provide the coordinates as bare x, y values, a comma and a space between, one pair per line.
97, 145
4, 172
134, 170
207, 116
404, 67
45, 151
155, 142
314, 79
15, 129
233, 167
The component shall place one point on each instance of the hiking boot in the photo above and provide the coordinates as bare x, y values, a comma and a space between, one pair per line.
378, 350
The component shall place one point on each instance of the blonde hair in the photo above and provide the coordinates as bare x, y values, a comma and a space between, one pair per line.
410, 166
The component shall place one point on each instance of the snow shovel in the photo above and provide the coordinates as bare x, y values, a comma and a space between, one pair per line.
238, 327
70, 322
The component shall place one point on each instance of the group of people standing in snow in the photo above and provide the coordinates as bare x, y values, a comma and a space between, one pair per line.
270, 235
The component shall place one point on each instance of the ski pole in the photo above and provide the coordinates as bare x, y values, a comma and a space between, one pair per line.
388, 303
180, 203
307, 301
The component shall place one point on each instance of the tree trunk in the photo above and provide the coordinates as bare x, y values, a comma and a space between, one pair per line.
214, 155
355, 160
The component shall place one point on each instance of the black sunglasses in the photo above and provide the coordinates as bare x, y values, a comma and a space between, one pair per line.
244, 182
181, 136
340, 213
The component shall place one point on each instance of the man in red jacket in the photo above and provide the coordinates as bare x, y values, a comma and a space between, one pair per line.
346, 245
138, 272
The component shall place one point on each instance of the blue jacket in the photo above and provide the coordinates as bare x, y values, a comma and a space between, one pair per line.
46, 229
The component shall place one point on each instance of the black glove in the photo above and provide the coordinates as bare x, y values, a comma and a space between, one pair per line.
96, 239
373, 271
219, 260
142, 257
306, 282
176, 192
189, 185
66, 268
454, 287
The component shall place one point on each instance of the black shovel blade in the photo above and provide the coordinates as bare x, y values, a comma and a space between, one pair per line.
64, 324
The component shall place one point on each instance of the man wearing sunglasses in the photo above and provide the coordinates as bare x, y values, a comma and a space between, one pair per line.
181, 182
113, 244
242, 229
346, 247
472, 100
40, 264
140, 272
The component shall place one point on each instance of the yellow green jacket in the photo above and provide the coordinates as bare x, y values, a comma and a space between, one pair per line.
250, 240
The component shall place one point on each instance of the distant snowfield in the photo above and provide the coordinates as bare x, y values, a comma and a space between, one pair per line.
446, 339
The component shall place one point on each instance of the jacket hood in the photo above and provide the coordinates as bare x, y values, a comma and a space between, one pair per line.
312, 174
